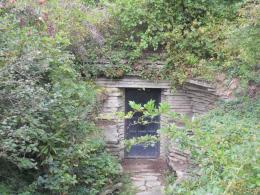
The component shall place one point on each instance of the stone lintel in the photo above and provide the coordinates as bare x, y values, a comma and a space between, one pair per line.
132, 82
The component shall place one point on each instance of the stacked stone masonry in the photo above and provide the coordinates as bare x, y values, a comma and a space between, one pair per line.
113, 128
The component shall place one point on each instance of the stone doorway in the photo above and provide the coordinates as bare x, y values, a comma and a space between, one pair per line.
192, 98
134, 129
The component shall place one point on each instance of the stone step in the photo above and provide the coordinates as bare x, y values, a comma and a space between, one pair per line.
146, 176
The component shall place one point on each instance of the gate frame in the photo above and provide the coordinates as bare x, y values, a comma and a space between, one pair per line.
159, 96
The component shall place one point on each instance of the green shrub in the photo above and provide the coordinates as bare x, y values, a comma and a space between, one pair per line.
224, 147
48, 140
198, 37
224, 150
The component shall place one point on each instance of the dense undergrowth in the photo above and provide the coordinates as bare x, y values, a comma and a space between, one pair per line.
223, 147
48, 141
198, 38
224, 150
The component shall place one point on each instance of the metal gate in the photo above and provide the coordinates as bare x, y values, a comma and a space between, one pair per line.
132, 129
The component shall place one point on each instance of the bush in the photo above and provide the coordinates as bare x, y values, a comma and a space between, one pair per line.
198, 37
48, 140
223, 146
224, 150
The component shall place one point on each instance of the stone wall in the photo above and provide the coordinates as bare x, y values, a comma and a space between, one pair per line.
178, 100
178, 161
113, 128
202, 96
196, 97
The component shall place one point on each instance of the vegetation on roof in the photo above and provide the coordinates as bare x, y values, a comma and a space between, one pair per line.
197, 38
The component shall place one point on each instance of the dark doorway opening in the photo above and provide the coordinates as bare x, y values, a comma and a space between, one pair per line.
141, 96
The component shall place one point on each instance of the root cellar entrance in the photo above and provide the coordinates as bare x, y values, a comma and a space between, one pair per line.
192, 98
